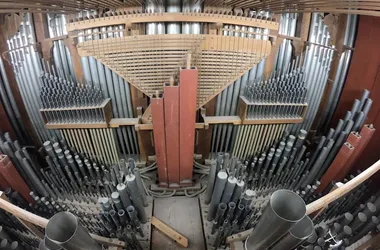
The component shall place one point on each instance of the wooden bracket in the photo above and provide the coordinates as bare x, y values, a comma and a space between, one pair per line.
170, 232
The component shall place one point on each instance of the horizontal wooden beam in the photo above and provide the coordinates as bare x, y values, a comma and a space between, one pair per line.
172, 17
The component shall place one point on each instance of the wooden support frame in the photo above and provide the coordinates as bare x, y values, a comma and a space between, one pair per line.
243, 109
173, 16
105, 108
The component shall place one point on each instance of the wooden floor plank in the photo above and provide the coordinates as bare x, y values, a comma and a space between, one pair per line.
183, 215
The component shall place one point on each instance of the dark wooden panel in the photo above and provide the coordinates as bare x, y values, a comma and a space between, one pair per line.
364, 73
363, 69
183, 215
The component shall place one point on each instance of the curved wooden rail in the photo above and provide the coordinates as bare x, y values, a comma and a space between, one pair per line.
42, 222
325, 200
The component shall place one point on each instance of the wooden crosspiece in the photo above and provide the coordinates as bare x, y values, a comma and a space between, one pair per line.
146, 61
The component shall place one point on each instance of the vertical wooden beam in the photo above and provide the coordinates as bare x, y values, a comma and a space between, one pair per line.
14, 87
203, 146
172, 107
187, 115
270, 60
75, 58
144, 138
303, 26
138, 99
41, 28
158, 117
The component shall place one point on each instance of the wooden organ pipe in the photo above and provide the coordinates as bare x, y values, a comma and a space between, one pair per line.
171, 108
187, 115
158, 120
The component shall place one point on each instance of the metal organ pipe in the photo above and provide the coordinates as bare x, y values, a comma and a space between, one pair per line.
283, 211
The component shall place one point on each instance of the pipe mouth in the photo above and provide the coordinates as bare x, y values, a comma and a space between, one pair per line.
288, 205
303, 229
61, 227
371, 207
14, 245
4, 243
130, 209
50, 245
362, 217
375, 220
121, 212
348, 216
223, 206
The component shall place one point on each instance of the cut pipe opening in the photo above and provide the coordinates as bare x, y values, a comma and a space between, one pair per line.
61, 227
303, 229
288, 205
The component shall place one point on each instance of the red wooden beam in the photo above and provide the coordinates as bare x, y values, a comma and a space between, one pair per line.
158, 119
187, 115
9, 172
344, 154
172, 106
366, 134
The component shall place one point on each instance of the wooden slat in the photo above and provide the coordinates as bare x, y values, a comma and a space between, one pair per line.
177, 237
170, 17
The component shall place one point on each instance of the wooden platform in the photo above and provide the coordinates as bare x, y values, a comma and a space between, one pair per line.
183, 215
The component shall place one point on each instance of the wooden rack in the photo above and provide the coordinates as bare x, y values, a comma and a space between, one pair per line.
105, 108
196, 17
244, 105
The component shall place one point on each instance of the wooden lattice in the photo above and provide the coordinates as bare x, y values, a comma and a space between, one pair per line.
147, 61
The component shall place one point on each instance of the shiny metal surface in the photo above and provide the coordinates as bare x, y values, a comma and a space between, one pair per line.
65, 230
284, 210
300, 232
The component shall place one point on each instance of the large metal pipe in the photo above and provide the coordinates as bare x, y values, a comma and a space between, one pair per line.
46, 244
296, 235
284, 210
65, 230
220, 183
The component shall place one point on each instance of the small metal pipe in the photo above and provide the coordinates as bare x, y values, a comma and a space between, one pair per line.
220, 183
358, 221
296, 235
369, 210
16, 246
366, 228
140, 185
239, 188
137, 202
124, 196
65, 230
210, 182
4, 234
346, 232
283, 211
229, 189
346, 219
